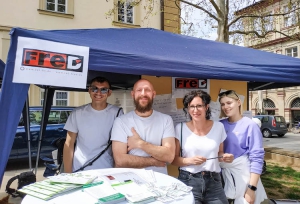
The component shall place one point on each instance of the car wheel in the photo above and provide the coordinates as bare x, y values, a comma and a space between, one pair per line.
281, 135
267, 133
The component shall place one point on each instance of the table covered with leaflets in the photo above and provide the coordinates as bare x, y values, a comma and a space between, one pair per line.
116, 185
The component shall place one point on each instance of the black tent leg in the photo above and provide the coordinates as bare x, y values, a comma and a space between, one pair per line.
27, 129
48, 98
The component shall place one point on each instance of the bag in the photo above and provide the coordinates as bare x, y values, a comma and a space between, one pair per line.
24, 179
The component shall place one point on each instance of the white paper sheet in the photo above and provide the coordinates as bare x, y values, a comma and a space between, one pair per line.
164, 103
215, 110
178, 116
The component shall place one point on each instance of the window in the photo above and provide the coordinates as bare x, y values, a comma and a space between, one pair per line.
60, 98
58, 8
279, 119
56, 5
296, 103
54, 117
257, 25
293, 52
125, 11
262, 25
63, 117
268, 22
35, 117
291, 18
267, 103
265, 119
42, 96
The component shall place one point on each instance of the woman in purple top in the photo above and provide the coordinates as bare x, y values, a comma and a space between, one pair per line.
244, 141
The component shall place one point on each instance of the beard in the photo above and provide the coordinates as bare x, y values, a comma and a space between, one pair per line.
143, 108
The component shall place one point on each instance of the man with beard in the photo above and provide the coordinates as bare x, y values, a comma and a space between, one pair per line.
143, 138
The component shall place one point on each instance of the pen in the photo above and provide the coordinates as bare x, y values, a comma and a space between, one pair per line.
92, 184
215, 157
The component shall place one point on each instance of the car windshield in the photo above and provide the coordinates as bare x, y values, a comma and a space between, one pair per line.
35, 117
279, 119
55, 117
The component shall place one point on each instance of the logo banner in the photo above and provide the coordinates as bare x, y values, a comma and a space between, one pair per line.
50, 63
181, 86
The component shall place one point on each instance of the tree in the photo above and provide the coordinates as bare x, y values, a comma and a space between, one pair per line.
235, 18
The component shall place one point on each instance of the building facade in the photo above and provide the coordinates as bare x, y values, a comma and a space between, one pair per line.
281, 101
77, 14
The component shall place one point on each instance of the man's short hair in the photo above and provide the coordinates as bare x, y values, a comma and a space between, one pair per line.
101, 80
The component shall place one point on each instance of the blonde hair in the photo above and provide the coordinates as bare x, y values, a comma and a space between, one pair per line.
230, 94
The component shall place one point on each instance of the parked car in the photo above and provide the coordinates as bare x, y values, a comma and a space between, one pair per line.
272, 124
54, 129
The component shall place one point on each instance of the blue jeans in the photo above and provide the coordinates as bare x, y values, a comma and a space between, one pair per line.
207, 186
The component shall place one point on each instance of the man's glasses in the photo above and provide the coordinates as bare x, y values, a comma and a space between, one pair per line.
198, 107
95, 89
229, 92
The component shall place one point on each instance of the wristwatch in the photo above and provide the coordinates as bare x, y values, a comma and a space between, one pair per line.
253, 188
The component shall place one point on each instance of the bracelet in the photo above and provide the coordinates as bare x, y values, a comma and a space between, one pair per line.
253, 188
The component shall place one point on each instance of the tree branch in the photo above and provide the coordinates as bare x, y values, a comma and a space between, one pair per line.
217, 8
178, 6
264, 34
260, 16
227, 8
201, 8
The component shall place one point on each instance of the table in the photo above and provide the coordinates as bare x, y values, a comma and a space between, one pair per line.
81, 197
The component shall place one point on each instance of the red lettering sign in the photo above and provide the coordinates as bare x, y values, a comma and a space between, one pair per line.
186, 83
52, 60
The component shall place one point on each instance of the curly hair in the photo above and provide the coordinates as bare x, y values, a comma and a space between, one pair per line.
191, 95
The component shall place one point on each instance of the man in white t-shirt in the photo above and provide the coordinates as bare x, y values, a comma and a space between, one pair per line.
90, 126
143, 138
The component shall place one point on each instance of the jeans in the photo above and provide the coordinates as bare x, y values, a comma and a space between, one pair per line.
207, 187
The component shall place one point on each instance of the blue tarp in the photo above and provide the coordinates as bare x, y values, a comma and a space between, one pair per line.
144, 52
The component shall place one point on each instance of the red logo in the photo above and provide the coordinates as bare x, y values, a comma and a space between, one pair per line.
52, 60
190, 83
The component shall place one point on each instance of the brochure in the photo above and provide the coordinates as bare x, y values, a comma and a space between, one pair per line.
73, 178
119, 178
134, 193
46, 190
104, 193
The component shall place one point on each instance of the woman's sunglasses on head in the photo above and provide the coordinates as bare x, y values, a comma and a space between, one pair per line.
229, 92
95, 89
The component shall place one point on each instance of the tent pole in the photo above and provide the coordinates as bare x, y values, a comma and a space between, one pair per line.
48, 98
27, 129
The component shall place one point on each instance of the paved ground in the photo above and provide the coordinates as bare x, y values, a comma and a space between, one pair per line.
289, 142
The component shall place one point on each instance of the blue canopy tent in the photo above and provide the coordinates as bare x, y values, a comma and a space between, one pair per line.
129, 53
